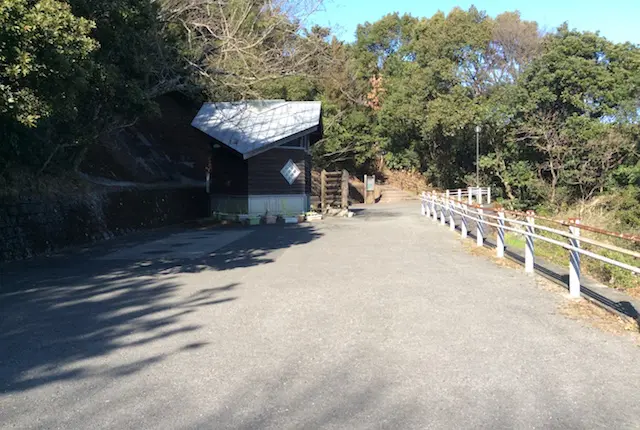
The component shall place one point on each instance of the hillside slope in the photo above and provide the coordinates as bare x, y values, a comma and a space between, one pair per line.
161, 149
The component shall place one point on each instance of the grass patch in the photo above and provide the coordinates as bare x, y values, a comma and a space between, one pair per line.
512, 240
602, 272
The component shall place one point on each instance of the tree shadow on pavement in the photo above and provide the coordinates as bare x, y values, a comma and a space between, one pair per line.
376, 212
58, 314
293, 397
344, 395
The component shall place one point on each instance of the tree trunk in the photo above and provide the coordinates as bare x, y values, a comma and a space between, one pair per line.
554, 184
508, 190
507, 186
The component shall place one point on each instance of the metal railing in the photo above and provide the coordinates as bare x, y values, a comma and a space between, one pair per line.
445, 206
480, 194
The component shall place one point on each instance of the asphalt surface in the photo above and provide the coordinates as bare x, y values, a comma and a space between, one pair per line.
380, 321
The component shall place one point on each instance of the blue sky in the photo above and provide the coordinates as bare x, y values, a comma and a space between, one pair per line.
617, 20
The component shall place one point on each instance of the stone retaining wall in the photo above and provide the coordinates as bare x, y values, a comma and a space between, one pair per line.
32, 225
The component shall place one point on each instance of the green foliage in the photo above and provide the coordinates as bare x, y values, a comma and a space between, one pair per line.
42, 47
584, 74
627, 175
73, 71
348, 141
44, 56
627, 211
559, 112
582, 112
134, 52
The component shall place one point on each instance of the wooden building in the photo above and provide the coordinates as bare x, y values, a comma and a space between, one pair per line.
261, 160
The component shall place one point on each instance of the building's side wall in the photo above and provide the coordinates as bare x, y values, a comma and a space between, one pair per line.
228, 185
228, 171
225, 204
307, 171
269, 191
265, 177
278, 204
256, 186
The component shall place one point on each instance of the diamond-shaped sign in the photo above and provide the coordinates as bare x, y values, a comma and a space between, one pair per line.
290, 171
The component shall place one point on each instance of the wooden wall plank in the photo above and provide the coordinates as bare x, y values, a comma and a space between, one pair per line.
265, 177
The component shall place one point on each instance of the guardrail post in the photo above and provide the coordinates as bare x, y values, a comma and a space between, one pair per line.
452, 221
434, 203
529, 249
488, 195
464, 226
470, 195
574, 260
500, 238
427, 203
460, 194
479, 228
443, 211
447, 195
479, 196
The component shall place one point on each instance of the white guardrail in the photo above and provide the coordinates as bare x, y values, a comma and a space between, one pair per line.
480, 194
446, 205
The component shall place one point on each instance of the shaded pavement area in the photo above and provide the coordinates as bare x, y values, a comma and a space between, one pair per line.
380, 321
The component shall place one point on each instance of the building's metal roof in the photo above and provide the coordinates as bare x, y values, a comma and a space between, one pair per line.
251, 127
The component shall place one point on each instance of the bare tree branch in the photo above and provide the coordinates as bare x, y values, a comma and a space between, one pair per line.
236, 46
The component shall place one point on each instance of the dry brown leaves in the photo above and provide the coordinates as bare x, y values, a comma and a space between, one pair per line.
576, 309
587, 312
407, 180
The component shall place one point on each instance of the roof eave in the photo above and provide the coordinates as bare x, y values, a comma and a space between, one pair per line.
279, 142
217, 141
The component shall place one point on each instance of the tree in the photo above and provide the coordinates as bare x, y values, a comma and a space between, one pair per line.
544, 132
138, 60
580, 91
350, 140
591, 166
514, 45
45, 57
236, 48
583, 74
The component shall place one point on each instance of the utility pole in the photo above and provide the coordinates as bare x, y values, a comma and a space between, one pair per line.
478, 130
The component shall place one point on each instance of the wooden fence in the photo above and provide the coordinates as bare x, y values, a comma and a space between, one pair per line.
330, 189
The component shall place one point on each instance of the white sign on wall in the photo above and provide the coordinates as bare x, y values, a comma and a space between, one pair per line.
290, 171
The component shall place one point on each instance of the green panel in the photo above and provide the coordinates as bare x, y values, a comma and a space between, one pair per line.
229, 204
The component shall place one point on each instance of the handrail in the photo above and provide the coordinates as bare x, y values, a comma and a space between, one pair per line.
554, 231
625, 236
478, 192
446, 206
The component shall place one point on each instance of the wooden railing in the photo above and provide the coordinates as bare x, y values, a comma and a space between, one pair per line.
330, 189
453, 209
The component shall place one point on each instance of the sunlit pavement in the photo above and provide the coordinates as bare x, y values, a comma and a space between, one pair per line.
379, 321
